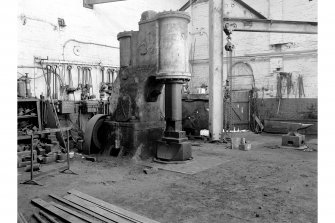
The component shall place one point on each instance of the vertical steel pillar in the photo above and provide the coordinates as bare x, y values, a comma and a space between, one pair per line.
173, 106
215, 68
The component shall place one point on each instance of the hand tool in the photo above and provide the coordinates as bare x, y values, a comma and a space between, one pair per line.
70, 88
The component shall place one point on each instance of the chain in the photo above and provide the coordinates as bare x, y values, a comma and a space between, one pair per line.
229, 86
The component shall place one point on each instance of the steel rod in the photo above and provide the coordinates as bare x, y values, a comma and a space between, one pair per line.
75, 63
67, 148
31, 157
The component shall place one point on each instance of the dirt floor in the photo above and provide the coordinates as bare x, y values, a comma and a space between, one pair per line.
265, 184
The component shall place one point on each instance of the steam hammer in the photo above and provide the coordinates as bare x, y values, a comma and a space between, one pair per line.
173, 72
174, 145
153, 57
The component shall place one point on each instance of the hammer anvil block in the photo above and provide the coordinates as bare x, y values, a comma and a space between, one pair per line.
293, 139
174, 151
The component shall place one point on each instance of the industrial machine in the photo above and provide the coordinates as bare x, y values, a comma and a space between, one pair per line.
145, 116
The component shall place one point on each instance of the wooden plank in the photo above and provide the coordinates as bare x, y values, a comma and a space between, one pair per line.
112, 208
80, 208
38, 218
55, 211
92, 207
258, 121
234, 110
74, 213
50, 219
21, 217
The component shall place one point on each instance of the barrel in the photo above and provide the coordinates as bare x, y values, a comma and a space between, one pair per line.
21, 89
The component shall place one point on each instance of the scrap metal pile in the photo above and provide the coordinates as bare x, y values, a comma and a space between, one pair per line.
44, 151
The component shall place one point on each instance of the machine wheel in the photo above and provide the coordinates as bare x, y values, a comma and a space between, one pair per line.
91, 133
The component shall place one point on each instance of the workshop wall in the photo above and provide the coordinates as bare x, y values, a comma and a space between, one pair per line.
89, 35
257, 50
41, 36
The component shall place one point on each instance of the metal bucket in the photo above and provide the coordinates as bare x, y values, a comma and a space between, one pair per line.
235, 142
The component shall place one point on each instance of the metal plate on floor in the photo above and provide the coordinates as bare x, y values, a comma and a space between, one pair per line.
198, 164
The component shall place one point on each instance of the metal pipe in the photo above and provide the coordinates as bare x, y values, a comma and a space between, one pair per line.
71, 62
82, 42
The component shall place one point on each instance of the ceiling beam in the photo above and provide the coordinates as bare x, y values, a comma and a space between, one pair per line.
242, 3
271, 26
90, 3
187, 5
251, 9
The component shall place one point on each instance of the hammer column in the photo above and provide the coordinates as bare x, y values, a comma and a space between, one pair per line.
173, 72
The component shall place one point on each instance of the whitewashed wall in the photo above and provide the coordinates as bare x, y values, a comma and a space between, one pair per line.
40, 36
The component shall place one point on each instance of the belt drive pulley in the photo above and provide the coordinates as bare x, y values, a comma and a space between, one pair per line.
92, 143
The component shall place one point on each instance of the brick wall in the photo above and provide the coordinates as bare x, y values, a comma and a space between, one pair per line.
259, 43
260, 47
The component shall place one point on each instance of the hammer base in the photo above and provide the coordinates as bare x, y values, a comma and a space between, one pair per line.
174, 151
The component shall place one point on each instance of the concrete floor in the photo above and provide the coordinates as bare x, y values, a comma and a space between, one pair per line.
260, 185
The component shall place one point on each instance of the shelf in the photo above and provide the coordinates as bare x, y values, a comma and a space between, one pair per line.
26, 116
33, 118
26, 137
46, 131
27, 99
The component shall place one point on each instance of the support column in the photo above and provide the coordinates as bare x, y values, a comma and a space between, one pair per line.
215, 68
173, 106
